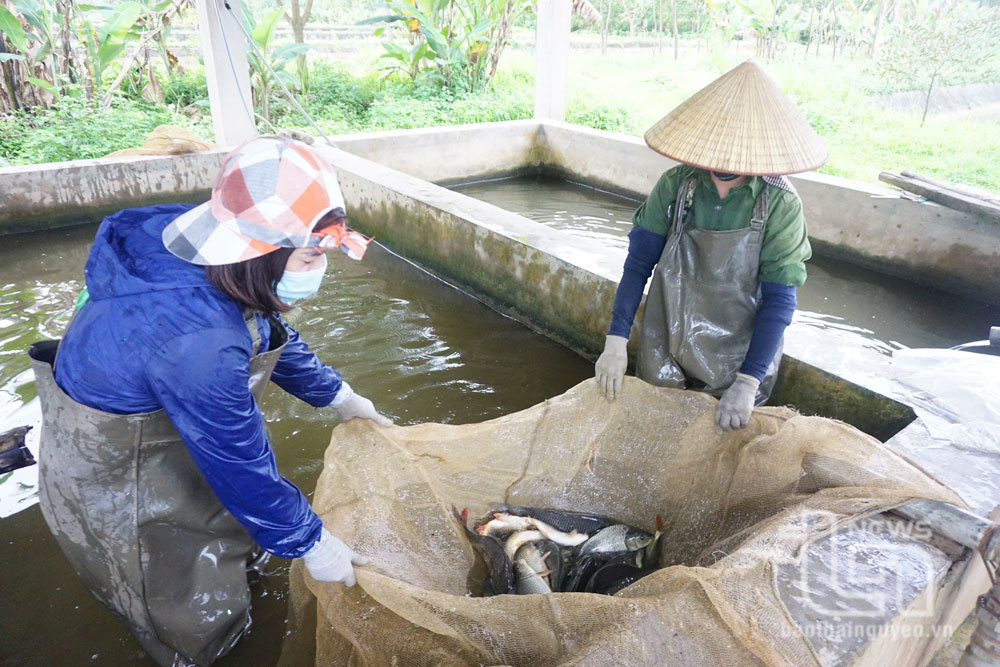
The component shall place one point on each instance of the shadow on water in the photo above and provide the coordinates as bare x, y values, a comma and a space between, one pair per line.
421, 350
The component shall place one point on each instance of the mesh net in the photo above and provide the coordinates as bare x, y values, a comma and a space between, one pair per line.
736, 506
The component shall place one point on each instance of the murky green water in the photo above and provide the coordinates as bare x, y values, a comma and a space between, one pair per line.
421, 350
857, 306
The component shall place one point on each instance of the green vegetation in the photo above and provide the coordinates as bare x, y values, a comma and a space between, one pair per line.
110, 79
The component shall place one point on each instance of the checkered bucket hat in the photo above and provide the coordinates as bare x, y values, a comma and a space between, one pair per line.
270, 194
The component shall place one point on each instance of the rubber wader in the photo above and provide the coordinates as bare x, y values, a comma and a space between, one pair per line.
139, 523
702, 305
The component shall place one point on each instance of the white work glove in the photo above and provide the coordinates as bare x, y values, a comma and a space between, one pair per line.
610, 367
359, 406
737, 402
331, 560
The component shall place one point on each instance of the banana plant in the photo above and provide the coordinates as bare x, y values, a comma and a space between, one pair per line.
104, 32
262, 80
407, 61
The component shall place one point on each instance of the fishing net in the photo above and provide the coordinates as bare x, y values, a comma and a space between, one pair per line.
736, 506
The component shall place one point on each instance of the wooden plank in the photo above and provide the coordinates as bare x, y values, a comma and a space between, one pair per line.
960, 188
951, 199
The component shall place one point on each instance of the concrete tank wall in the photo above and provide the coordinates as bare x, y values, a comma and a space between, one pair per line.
44, 196
865, 224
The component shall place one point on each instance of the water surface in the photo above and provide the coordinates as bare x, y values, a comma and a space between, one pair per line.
858, 307
420, 349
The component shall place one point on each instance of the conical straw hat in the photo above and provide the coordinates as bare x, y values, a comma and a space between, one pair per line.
741, 123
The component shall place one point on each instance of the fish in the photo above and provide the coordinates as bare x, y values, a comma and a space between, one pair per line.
564, 521
570, 539
530, 582
517, 540
579, 573
614, 540
505, 523
491, 550
552, 556
533, 556
614, 576
648, 556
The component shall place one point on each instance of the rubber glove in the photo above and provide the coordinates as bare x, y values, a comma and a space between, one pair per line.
737, 402
359, 406
610, 367
331, 560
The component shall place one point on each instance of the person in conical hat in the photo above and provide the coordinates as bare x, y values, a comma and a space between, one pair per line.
157, 476
724, 236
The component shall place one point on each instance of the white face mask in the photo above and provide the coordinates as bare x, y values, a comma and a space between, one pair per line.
295, 285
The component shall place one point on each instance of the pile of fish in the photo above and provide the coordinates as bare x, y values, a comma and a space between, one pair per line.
530, 550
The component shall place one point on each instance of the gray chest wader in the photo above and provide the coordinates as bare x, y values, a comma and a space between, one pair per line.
702, 305
139, 523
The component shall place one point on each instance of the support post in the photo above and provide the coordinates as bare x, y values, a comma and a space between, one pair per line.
226, 71
551, 58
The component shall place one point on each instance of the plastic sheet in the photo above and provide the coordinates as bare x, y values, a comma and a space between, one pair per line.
955, 393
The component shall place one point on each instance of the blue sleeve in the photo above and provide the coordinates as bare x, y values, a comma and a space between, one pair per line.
644, 250
777, 305
302, 374
202, 380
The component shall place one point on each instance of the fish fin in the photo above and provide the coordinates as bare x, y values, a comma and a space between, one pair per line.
458, 515
659, 523
465, 515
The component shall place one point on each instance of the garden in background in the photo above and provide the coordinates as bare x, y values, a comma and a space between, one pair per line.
82, 80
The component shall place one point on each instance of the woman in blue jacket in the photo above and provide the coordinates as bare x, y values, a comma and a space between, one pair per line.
157, 477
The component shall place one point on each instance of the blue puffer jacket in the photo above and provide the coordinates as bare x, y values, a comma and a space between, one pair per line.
156, 334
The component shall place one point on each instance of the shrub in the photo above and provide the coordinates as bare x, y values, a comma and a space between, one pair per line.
185, 88
601, 117
74, 130
14, 130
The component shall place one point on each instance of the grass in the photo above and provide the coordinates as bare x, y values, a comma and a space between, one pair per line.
627, 90
837, 97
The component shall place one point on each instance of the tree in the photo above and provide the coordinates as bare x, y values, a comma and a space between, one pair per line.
941, 45
298, 19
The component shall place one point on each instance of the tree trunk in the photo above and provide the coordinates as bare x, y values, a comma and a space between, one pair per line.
878, 26
500, 39
604, 28
697, 18
833, 52
676, 35
10, 78
927, 100
659, 26
809, 38
629, 17
298, 20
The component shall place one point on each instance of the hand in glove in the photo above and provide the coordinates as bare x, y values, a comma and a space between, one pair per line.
737, 402
331, 560
359, 406
610, 367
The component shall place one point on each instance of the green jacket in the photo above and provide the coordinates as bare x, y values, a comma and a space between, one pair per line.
786, 241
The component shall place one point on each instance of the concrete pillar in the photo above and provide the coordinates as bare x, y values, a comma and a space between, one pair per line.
551, 58
226, 71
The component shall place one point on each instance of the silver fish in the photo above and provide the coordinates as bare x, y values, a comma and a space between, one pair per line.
529, 582
517, 540
615, 539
